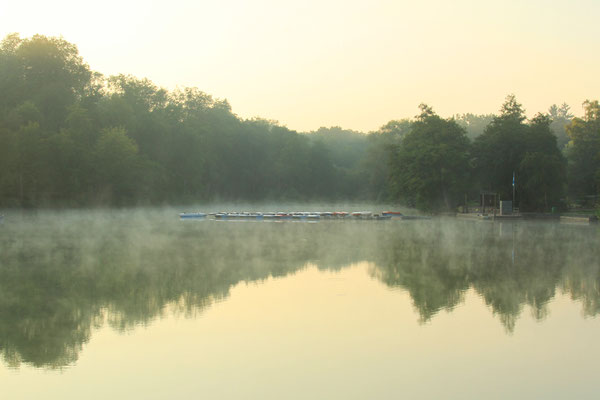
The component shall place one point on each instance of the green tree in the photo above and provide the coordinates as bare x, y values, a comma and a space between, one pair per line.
346, 149
541, 177
431, 167
498, 151
584, 151
512, 147
474, 124
50, 73
560, 116
118, 166
542, 170
375, 167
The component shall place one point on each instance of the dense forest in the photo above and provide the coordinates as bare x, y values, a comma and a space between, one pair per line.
72, 137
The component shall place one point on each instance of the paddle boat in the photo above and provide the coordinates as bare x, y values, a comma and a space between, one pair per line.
395, 214
296, 215
362, 214
193, 215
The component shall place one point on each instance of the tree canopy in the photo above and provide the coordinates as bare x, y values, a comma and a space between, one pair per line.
511, 147
70, 136
430, 169
584, 151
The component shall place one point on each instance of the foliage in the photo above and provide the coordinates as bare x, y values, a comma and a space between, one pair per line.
431, 167
584, 151
346, 149
509, 148
560, 116
375, 167
473, 124
70, 136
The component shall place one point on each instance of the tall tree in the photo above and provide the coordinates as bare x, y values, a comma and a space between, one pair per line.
118, 166
51, 74
499, 151
509, 147
375, 167
560, 117
542, 170
474, 124
431, 168
584, 151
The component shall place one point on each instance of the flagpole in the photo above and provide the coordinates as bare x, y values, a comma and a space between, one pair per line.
513, 202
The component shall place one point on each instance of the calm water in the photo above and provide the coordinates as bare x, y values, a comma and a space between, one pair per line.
141, 305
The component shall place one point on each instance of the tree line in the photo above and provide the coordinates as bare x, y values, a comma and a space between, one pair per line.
70, 136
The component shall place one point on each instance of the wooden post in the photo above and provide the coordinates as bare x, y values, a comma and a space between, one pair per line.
483, 203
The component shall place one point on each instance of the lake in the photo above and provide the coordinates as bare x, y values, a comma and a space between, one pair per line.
138, 304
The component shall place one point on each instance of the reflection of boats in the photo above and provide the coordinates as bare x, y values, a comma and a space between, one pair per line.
392, 213
192, 215
370, 215
404, 217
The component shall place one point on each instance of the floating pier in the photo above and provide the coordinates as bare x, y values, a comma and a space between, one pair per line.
299, 215
584, 219
485, 217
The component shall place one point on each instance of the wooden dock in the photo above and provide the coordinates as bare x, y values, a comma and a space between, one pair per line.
490, 217
583, 219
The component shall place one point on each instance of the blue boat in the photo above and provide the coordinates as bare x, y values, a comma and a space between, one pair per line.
395, 214
195, 215
382, 216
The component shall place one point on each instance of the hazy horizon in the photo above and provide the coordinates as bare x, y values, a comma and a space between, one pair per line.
336, 63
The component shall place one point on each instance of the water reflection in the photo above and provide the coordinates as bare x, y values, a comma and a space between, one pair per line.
62, 275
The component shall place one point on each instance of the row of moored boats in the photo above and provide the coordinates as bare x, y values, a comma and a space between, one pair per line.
299, 215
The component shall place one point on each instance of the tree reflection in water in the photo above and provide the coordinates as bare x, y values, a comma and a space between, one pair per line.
63, 275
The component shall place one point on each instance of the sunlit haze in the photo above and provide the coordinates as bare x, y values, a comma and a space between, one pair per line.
353, 64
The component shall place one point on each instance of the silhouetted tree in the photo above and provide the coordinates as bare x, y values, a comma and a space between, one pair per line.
431, 167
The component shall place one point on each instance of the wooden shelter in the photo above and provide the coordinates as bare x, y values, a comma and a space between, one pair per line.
488, 198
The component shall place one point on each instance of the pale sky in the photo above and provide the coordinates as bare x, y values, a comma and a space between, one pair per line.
355, 64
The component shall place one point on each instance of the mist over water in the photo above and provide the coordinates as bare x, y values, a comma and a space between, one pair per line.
66, 275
